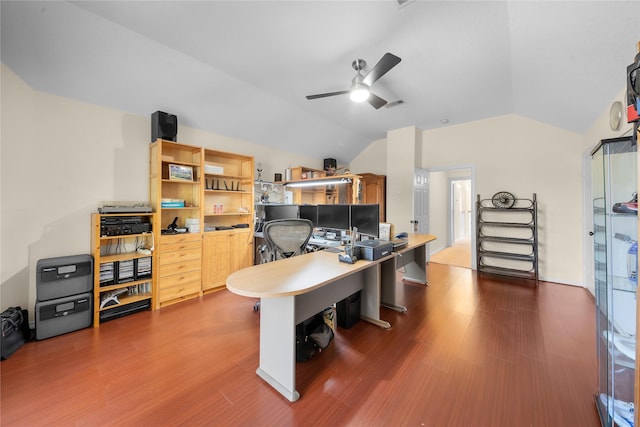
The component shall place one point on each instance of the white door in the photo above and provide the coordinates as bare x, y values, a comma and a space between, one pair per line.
460, 209
421, 201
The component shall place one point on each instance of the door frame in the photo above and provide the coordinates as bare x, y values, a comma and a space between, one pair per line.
452, 232
472, 177
588, 274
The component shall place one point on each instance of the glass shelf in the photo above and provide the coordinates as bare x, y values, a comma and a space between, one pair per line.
615, 273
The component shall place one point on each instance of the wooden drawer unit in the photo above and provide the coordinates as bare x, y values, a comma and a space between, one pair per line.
179, 293
180, 267
169, 255
180, 279
169, 269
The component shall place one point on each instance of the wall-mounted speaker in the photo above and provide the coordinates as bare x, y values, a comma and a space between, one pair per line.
330, 164
164, 126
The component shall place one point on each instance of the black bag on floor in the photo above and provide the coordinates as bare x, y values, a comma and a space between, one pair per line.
15, 330
312, 336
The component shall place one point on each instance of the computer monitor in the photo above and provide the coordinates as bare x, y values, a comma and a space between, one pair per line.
309, 212
272, 212
334, 217
367, 219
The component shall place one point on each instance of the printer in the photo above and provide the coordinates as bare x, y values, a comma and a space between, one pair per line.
372, 250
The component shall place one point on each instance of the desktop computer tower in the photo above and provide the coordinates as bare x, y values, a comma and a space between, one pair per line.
348, 311
372, 250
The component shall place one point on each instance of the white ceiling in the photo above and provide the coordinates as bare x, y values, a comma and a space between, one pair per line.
243, 68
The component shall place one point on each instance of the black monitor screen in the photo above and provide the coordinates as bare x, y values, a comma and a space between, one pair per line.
366, 218
334, 217
309, 212
272, 212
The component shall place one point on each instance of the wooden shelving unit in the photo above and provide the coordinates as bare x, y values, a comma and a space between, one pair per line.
322, 194
120, 269
179, 255
218, 199
163, 154
228, 202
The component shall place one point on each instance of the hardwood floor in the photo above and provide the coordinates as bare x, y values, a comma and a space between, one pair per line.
458, 254
469, 352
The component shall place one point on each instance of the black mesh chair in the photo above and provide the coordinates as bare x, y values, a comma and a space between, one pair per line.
286, 238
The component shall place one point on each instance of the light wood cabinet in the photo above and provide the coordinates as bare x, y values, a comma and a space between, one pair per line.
225, 251
212, 192
242, 248
374, 190
124, 267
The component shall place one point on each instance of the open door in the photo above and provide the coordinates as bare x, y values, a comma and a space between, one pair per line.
421, 201
461, 203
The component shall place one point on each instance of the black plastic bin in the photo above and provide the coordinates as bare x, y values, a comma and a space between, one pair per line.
348, 311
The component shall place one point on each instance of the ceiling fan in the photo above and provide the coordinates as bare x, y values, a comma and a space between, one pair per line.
360, 85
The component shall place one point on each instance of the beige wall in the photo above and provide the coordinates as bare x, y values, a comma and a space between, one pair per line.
600, 128
520, 155
372, 159
60, 159
524, 156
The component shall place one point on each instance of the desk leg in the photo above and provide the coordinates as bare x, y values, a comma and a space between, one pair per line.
414, 263
388, 270
370, 297
278, 345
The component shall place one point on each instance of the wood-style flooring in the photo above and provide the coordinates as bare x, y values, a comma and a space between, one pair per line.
470, 351
458, 254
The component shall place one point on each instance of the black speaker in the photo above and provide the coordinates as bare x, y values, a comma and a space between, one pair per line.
330, 164
163, 126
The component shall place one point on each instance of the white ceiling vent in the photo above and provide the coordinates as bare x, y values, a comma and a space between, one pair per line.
403, 3
394, 103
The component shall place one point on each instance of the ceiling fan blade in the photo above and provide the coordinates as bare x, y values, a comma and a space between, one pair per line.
324, 95
375, 101
387, 62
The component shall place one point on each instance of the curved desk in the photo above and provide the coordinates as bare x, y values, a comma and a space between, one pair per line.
294, 289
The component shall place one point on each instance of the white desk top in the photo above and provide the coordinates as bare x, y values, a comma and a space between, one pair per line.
303, 273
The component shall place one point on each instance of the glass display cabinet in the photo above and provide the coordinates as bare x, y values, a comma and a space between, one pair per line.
615, 235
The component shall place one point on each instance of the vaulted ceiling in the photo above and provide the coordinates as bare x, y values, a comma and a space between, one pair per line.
243, 68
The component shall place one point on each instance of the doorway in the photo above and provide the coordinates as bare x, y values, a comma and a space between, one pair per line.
460, 193
452, 189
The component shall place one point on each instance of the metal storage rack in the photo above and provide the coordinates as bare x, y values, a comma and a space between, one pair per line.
507, 237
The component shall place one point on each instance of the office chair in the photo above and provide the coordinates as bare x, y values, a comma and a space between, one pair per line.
286, 238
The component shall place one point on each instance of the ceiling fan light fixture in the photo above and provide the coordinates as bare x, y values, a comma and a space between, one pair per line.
359, 92
360, 85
